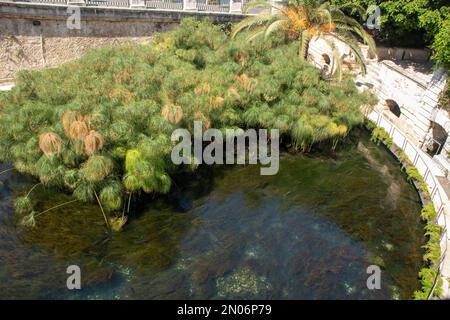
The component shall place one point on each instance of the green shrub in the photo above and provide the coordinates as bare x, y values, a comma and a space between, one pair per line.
413, 174
403, 158
424, 189
370, 125
428, 213
427, 278
379, 135
433, 249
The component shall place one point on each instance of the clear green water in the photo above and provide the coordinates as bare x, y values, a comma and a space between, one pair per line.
309, 232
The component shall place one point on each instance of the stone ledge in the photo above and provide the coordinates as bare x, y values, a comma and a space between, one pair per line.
59, 12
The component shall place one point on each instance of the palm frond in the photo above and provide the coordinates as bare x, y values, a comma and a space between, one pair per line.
304, 40
252, 22
337, 61
261, 4
357, 29
354, 7
354, 48
274, 26
327, 15
256, 34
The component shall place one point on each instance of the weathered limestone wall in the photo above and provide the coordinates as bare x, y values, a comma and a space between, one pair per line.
408, 91
34, 36
385, 53
408, 80
318, 48
415, 91
414, 88
50, 43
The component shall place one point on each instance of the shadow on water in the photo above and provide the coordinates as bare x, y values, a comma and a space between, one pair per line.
308, 232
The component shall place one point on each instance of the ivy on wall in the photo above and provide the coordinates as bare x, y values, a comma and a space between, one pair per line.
429, 275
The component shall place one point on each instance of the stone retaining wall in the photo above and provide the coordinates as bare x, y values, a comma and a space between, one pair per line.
34, 36
409, 81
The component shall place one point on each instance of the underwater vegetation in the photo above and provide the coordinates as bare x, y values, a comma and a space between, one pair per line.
308, 232
99, 128
429, 275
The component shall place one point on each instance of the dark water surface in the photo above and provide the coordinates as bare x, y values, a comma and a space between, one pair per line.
309, 232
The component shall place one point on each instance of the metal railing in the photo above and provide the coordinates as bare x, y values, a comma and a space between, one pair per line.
424, 164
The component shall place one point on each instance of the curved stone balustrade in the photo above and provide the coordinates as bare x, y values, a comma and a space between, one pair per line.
433, 177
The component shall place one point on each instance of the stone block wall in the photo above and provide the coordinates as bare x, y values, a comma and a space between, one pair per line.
407, 79
385, 53
38, 41
416, 92
34, 36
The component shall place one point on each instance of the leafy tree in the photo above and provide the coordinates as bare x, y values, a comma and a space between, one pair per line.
415, 23
441, 45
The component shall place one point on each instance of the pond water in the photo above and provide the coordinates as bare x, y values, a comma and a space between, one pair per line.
309, 232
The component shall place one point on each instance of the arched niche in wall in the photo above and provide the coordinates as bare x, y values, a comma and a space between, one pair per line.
439, 136
393, 107
326, 59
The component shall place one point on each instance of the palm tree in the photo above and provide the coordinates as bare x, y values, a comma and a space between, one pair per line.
303, 20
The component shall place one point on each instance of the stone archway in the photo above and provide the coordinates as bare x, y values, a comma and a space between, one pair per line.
326, 59
439, 137
393, 107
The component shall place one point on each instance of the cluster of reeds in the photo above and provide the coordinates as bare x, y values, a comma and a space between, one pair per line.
100, 127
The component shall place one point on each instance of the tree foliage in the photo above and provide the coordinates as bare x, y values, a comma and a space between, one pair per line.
414, 23
302, 20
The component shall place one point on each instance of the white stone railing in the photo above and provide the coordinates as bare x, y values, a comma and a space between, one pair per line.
429, 171
223, 6
49, 1
106, 3
213, 6
164, 4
